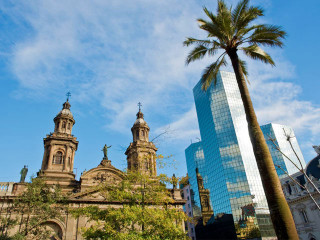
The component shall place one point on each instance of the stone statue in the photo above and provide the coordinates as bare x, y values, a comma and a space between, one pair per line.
23, 173
174, 181
105, 151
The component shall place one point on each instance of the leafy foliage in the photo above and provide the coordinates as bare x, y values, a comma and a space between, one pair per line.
231, 30
30, 211
145, 210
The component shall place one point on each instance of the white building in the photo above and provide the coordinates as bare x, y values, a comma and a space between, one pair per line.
305, 212
187, 195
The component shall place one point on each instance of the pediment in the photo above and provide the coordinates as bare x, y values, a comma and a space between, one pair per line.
89, 195
107, 175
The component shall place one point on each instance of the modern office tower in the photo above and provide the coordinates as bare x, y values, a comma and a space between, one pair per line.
231, 175
195, 159
279, 134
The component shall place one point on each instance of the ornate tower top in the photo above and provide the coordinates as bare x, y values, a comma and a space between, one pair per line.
64, 120
141, 154
140, 128
59, 150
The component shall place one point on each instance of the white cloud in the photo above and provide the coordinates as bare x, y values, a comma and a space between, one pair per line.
183, 128
122, 52
115, 52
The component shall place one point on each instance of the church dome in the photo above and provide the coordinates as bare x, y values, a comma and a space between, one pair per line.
65, 112
313, 167
140, 121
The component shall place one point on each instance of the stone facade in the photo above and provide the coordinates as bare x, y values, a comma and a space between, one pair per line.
204, 195
141, 154
57, 169
59, 151
305, 213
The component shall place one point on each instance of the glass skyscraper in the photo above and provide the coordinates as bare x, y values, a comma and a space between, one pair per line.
195, 159
230, 170
280, 133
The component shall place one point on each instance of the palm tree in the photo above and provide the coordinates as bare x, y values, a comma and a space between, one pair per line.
231, 30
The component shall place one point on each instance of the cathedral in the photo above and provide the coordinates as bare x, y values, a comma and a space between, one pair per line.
57, 169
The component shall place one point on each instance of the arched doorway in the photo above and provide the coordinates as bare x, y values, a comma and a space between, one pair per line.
55, 230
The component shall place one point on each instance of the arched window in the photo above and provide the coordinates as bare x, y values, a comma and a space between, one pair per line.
63, 124
69, 126
54, 230
58, 158
304, 215
135, 166
58, 126
146, 165
137, 133
289, 189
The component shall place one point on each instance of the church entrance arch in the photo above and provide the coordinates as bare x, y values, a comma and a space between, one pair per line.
56, 232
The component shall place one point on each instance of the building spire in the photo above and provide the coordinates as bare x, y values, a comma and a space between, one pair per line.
139, 114
141, 154
68, 95
67, 105
59, 151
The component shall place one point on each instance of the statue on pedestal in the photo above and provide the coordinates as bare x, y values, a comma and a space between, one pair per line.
105, 151
174, 181
23, 173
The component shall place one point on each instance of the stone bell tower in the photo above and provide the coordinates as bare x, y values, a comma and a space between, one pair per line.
59, 150
141, 154
204, 195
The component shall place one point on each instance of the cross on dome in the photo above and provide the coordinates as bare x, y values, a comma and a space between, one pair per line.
68, 95
139, 104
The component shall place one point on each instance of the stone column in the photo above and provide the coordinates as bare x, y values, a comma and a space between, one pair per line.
65, 162
44, 160
72, 159
50, 149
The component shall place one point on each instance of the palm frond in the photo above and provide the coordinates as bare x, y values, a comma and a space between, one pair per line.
210, 73
239, 9
248, 16
255, 52
212, 17
214, 30
222, 7
197, 53
242, 32
190, 41
269, 35
224, 18
221, 24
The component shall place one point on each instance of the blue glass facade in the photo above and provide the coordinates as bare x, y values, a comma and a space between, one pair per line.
195, 159
279, 134
230, 168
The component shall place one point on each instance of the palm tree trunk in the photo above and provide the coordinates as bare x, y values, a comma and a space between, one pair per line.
279, 210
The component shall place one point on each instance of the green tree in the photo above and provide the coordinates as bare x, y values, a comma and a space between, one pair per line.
146, 211
231, 30
30, 211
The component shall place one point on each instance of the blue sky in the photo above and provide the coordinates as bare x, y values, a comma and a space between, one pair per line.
113, 54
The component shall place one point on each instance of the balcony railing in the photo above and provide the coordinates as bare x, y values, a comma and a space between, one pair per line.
6, 188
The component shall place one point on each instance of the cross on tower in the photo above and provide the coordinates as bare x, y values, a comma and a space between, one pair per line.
139, 104
68, 95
